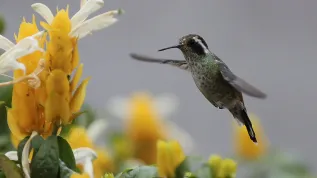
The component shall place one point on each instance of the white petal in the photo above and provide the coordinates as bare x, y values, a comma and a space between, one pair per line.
88, 8
25, 155
5, 43
88, 168
81, 154
8, 60
166, 104
97, 129
118, 107
26, 46
82, 3
13, 65
38, 34
93, 24
12, 155
179, 134
44, 11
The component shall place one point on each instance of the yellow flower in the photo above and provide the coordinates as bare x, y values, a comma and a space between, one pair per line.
169, 156
144, 122
28, 43
78, 138
26, 114
222, 168
62, 57
228, 169
215, 163
144, 127
244, 147
65, 32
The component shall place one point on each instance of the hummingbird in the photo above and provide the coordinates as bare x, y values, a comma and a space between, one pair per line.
220, 86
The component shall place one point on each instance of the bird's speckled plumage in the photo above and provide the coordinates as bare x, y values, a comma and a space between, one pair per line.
213, 78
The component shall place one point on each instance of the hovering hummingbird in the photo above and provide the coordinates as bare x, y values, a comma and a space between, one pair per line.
212, 76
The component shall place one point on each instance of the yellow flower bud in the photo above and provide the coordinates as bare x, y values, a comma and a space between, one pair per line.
169, 156
109, 175
228, 168
189, 175
215, 163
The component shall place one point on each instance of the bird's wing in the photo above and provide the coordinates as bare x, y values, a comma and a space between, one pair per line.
239, 83
180, 64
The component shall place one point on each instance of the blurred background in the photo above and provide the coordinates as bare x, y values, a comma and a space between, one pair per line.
271, 44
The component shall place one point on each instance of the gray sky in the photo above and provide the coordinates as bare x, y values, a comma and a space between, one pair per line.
271, 44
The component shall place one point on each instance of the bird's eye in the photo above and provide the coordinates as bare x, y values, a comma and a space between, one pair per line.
195, 46
191, 42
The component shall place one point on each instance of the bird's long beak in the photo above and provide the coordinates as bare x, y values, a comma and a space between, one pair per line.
176, 46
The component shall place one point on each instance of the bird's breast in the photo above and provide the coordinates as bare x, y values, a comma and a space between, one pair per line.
212, 85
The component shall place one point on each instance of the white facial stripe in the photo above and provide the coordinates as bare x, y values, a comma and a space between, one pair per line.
201, 44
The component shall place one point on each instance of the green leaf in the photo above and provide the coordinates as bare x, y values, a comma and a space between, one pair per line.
20, 148
5, 98
64, 171
82, 118
2, 25
190, 175
86, 118
9, 168
45, 162
139, 172
66, 153
36, 143
5, 142
2, 175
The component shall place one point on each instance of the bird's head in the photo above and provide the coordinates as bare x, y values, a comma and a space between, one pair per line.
192, 46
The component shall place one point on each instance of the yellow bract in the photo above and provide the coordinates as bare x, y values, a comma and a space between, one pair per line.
61, 59
56, 101
144, 127
244, 147
78, 138
62, 50
27, 113
169, 156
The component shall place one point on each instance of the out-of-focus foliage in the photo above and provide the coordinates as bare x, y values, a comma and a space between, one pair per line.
5, 101
2, 24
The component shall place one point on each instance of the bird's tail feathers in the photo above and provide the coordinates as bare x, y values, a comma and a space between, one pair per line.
240, 113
